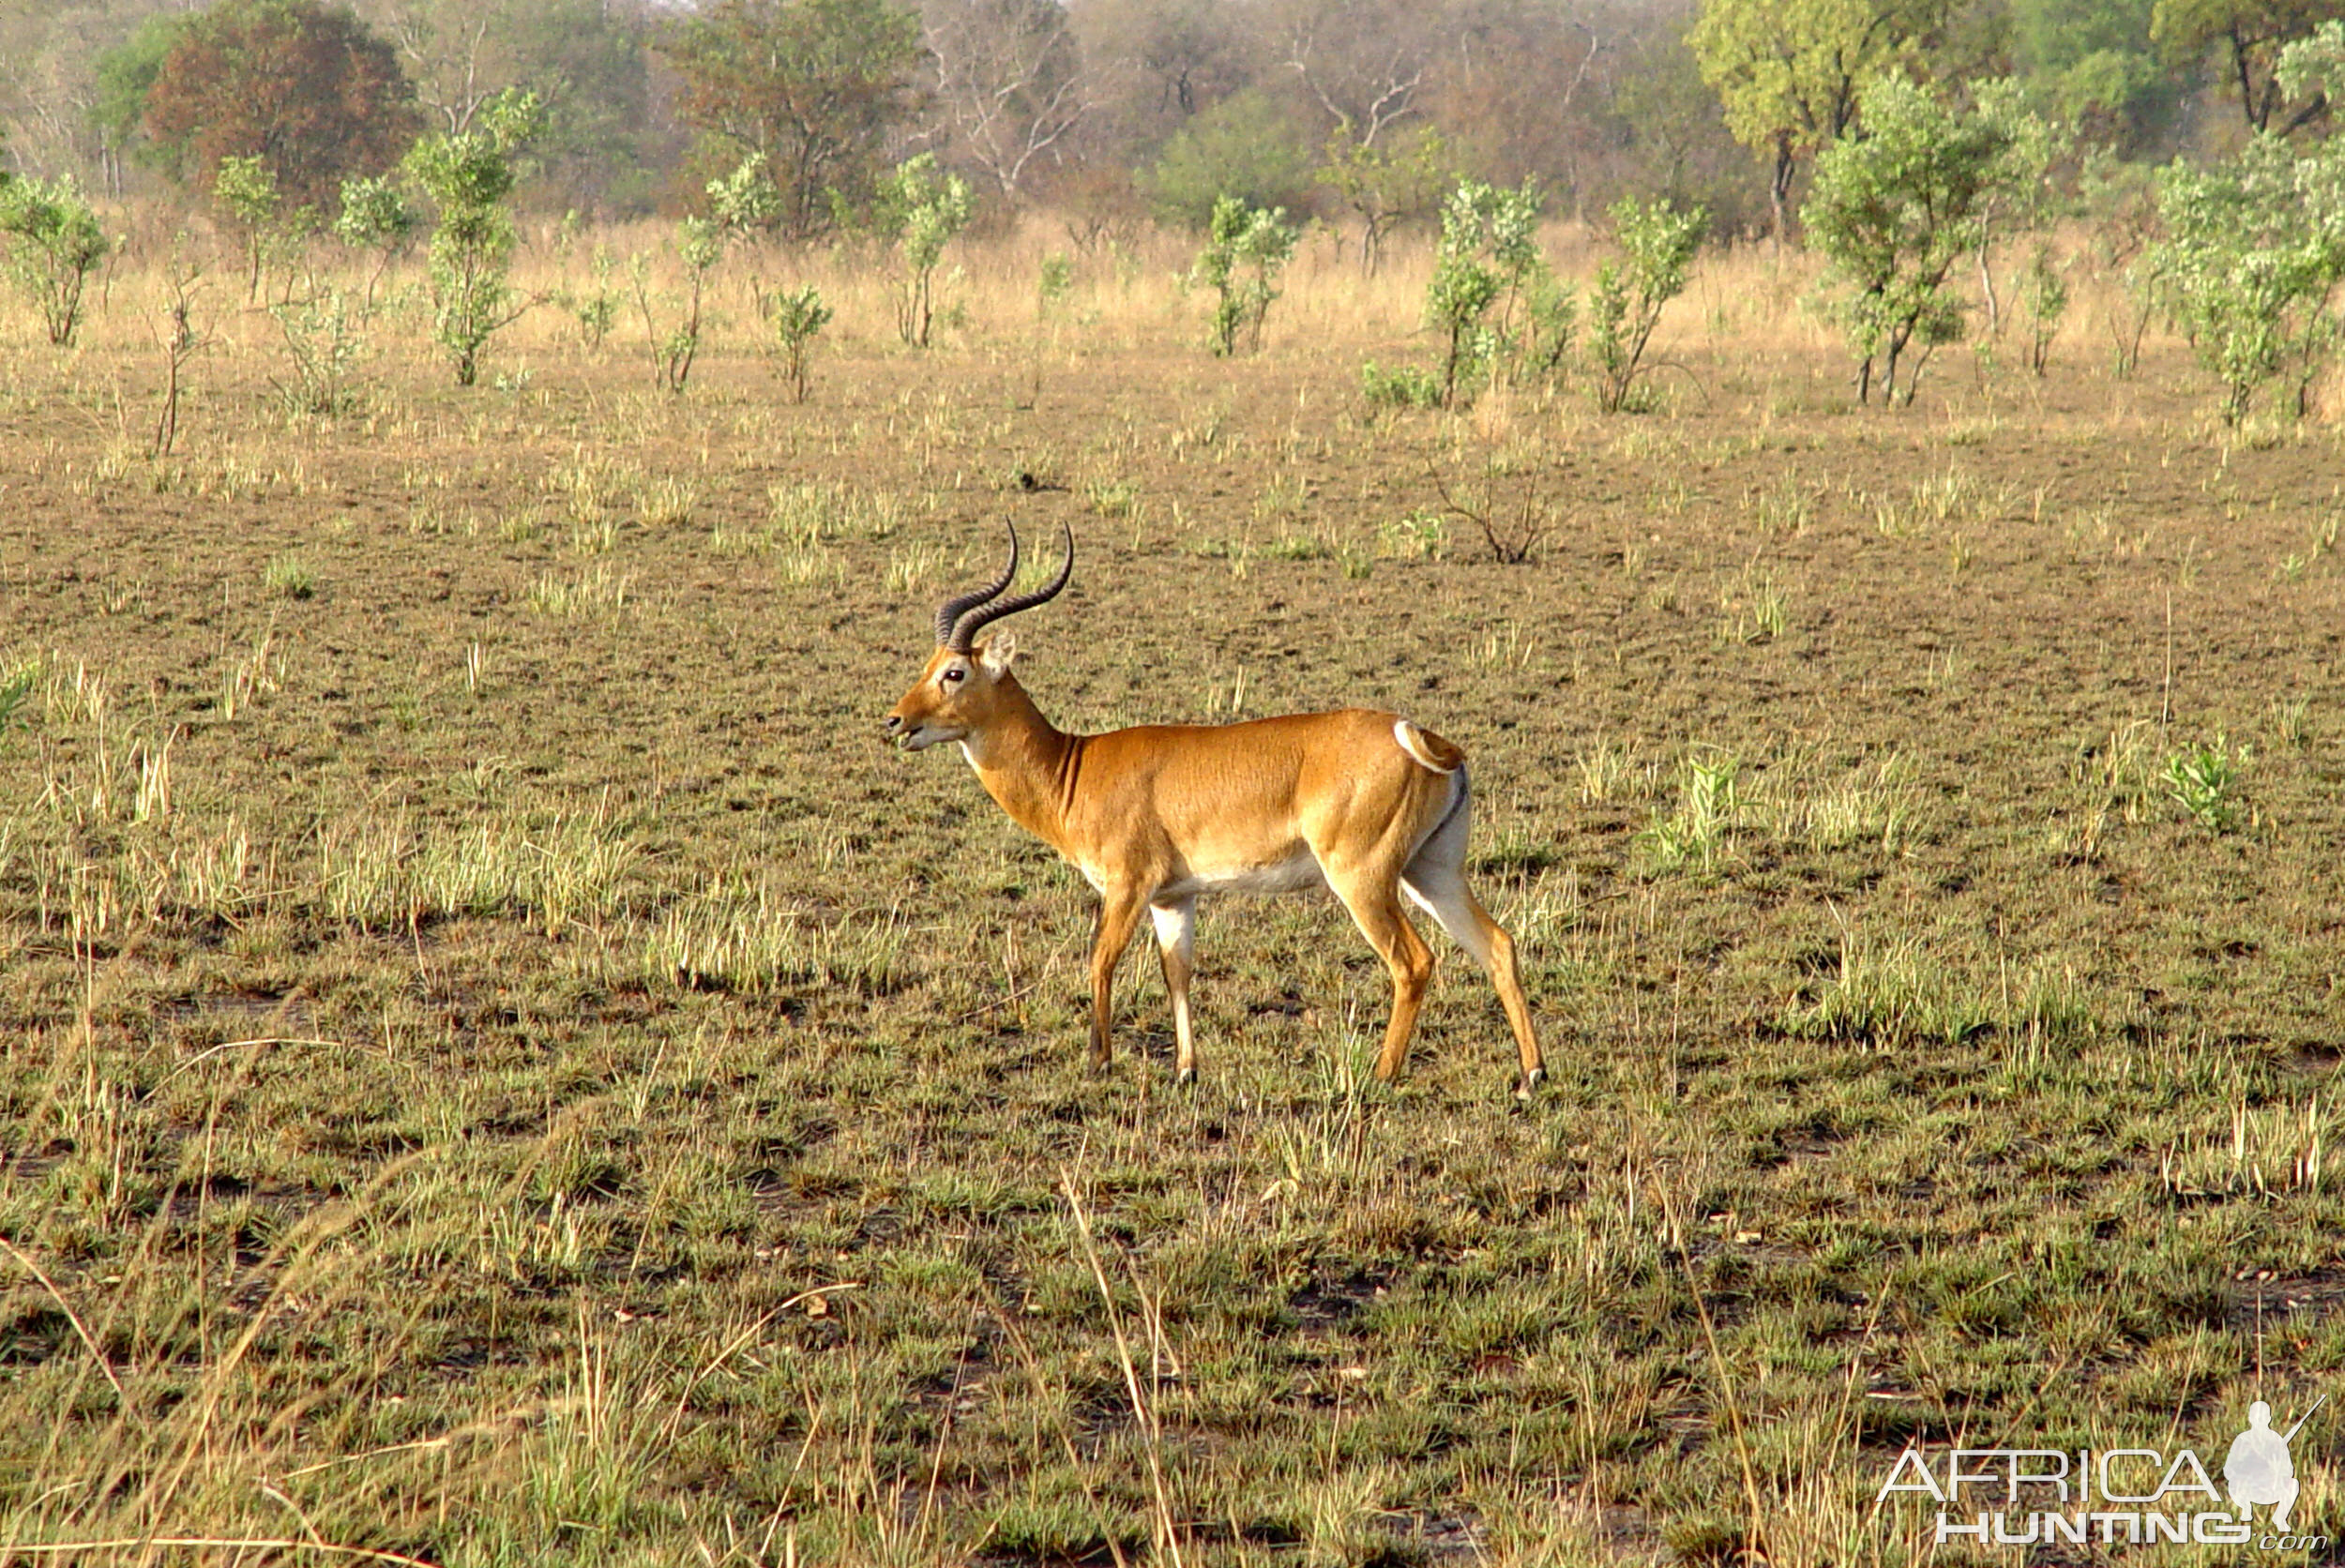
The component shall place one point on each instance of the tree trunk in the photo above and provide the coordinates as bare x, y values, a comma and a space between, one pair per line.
1779, 189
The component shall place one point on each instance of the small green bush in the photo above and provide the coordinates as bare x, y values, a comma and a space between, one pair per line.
1402, 386
1657, 242
53, 245
797, 317
1246, 250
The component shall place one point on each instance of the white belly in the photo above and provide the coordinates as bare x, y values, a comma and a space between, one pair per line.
1294, 874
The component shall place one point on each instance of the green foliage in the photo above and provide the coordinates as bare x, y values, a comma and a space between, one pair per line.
1791, 75
597, 310
2093, 64
374, 216
797, 317
1893, 210
2251, 37
700, 244
125, 75
921, 209
1246, 250
54, 244
1487, 267
1657, 242
1245, 146
2314, 66
815, 86
246, 189
587, 60
2203, 779
745, 202
1388, 186
469, 175
2253, 246
323, 344
16, 693
1402, 386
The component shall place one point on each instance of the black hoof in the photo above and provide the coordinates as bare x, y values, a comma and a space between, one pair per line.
1530, 1084
1185, 1078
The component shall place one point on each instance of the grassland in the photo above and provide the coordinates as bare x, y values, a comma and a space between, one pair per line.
499, 1063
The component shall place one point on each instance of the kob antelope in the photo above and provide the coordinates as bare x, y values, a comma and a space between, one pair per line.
1363, 802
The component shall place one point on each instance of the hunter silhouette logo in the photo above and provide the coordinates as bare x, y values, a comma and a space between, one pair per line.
2136, 1497
2259, 1471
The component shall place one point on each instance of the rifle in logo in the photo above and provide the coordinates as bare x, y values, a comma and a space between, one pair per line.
2258, 1471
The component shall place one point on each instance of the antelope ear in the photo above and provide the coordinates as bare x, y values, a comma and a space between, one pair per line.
999, 652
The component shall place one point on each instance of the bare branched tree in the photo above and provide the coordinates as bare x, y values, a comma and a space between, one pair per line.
443, 53
1363, 75
1010, 86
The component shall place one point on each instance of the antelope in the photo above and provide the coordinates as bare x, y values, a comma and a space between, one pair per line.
1363, 802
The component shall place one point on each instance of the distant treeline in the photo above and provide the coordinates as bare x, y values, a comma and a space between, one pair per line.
1112, 111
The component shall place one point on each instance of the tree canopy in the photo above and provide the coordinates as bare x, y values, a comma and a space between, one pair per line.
814, 84
311, 92
2248, 37
1791, 75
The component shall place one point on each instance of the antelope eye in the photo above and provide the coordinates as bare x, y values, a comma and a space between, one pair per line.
956, 674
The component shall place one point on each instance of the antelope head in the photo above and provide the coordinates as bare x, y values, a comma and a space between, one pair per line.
963, 687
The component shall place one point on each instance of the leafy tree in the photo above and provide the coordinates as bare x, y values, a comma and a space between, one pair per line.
468, 175
1387, 186
700, 244
2254, 247
2312, 66
124, 75
924, 209
54, 244
1657, 242
797, 317
2020, 205
246, 189
2094, 64
584, 59
1246, 250
745, 202
374, 216
1246, 146
814, 84
1894, 210
309, 91
1669, 128
1791, 75
2248, 36
1492, 295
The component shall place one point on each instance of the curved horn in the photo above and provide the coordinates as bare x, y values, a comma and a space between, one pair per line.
985, 616
949, 612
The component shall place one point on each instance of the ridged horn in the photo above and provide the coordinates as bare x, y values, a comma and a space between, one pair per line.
975, 613
948, 613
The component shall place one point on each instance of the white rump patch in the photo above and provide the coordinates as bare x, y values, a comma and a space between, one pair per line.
1406, 733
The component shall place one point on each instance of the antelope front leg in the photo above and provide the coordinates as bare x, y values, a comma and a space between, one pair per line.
1119, 916
1176, 943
